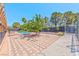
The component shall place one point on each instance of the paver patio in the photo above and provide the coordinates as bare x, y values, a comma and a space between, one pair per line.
46, 44
34, 46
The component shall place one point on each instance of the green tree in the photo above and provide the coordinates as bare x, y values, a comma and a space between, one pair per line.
23, 26
70, 17
36, 24
24, 20
46, 19
16, 25
55, 17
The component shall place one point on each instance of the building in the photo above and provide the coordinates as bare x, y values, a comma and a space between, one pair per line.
3, 24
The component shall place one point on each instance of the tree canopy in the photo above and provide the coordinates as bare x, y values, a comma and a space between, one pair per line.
38, 22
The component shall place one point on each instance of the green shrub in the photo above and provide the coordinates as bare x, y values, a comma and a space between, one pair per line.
60, 33
21, 31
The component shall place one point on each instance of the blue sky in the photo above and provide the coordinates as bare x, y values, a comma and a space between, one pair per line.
15, 11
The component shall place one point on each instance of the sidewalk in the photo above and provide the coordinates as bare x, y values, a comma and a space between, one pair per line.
60, 47
4, 46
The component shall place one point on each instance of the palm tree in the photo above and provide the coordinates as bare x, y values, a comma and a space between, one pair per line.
30, 25
36, 24
24, 25
24, 20
46, 19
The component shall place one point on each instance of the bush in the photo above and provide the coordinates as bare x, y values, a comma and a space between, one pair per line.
21, 31
57, 28
60, 33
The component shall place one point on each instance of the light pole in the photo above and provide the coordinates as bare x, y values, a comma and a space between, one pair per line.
77, 27
65, 20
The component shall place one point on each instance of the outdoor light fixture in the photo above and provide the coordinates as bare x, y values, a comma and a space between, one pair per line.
65, 20
0, 22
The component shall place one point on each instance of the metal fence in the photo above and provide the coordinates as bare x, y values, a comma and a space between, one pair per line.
77, 29
69, 29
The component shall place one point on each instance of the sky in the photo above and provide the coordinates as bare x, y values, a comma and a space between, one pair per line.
15, 11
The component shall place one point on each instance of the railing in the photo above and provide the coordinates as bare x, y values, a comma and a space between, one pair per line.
74, 46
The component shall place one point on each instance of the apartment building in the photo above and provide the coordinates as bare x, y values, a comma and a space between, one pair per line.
3, 23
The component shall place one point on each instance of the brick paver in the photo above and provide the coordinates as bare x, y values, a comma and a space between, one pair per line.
15, 45
30, 47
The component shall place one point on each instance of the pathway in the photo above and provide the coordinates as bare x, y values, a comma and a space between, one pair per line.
61, 47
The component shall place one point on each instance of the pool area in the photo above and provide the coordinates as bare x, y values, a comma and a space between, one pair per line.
24, 33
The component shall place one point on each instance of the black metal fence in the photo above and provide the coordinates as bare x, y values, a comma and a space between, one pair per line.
69, 29
77, 29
